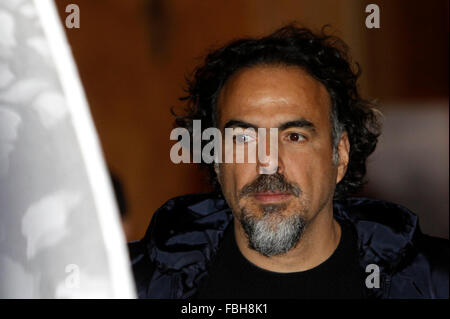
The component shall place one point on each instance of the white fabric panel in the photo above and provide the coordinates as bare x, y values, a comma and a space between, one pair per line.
60, 233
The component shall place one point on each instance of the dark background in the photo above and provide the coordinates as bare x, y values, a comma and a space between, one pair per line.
132, 57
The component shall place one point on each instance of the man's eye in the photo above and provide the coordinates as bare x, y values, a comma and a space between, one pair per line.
295, 137
242, 138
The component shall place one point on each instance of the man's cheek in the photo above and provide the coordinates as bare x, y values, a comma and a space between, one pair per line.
241, 176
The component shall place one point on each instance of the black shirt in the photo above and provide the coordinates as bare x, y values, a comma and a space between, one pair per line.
231, 275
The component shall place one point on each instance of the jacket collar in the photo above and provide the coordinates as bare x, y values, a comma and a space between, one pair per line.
386, 231
186, 233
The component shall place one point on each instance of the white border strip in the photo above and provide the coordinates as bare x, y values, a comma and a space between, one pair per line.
114, 239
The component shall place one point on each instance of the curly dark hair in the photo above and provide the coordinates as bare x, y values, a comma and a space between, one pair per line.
324, 57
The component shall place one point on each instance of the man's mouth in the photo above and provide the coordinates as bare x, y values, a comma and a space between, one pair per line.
271, 197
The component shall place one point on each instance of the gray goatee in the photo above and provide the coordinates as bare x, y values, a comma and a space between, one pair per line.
272, 235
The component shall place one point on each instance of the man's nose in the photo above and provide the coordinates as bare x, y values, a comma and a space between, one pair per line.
268, 163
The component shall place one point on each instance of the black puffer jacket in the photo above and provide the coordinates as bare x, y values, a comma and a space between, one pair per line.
184, 235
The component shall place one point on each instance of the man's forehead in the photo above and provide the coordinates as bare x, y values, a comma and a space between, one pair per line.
273, 94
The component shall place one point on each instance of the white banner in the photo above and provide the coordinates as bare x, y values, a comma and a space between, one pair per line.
60, 232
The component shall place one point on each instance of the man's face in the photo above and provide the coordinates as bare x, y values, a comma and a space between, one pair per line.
289, 99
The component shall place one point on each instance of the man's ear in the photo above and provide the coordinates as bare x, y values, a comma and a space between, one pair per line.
344, 156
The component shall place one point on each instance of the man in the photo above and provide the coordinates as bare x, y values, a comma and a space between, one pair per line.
285, 228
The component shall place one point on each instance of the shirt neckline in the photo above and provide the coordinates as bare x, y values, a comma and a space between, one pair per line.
241, 263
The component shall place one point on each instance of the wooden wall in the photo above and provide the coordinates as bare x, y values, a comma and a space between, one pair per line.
133, 55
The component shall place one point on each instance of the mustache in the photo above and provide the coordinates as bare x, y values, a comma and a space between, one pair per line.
270, 183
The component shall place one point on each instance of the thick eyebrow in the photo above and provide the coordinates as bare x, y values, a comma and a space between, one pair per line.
241, 124
298, 123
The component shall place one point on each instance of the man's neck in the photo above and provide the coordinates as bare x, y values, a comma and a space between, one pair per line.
318, 242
